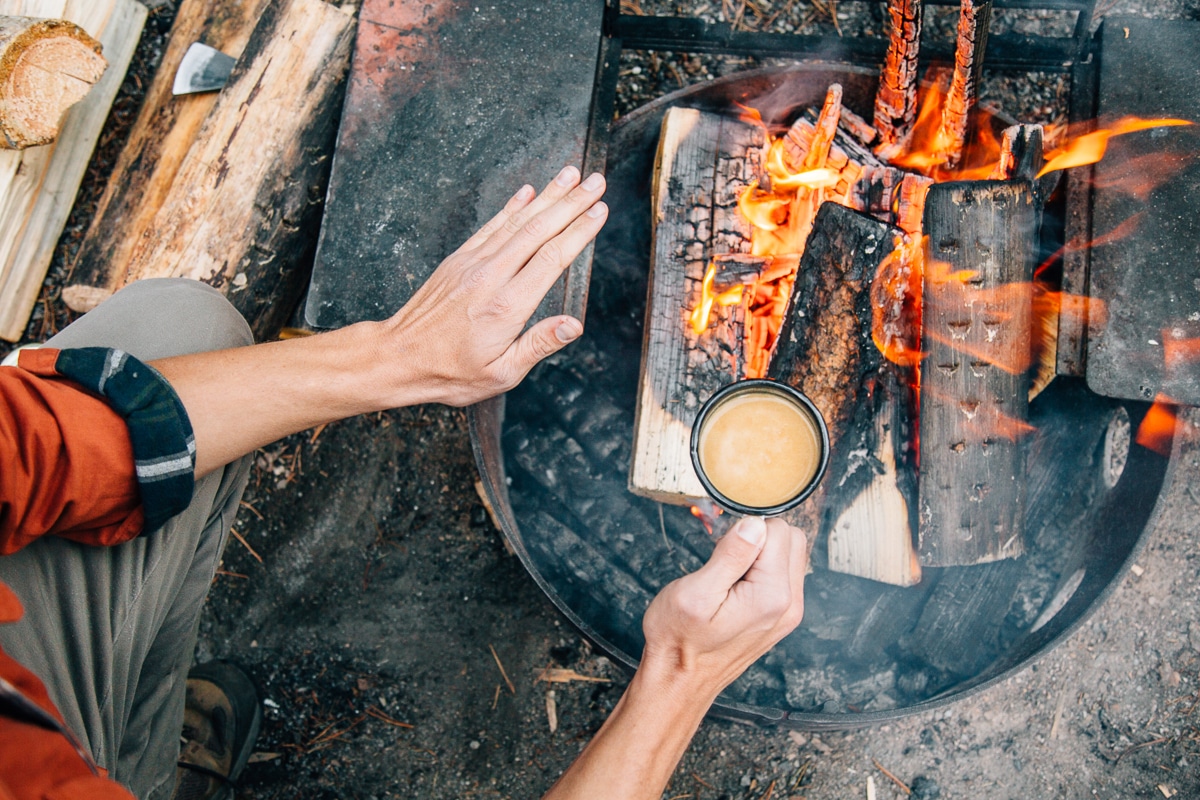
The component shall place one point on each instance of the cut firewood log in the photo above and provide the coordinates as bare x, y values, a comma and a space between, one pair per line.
826, 350
694, 218
973, 22
46, 66
896, 100
38, 185
982, 240
1022, 158
241, 211
145, 172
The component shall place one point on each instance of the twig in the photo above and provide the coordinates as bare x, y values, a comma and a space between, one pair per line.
496, 699
382, 717
229, 574
770, 791
555, 675
317, 431
701, 781
903, 786
800, 775
253, 510
503, 674
1150, 743
245, 544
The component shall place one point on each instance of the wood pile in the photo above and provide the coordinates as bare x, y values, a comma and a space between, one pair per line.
892, 269
227, 188
38, 183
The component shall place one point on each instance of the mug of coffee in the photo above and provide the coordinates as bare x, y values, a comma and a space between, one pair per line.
759, 447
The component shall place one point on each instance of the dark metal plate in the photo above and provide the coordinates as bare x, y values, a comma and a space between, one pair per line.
1149, 340
451, 106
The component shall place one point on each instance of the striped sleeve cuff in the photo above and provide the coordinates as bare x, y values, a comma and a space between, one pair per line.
164, 448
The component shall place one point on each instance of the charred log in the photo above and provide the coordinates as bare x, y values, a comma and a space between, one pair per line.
973, 22
974, 385
896, 100
146, 170
241, 211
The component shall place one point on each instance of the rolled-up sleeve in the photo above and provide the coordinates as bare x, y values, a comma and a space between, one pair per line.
96, 447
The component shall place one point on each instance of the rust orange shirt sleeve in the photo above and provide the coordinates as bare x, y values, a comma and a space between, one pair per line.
67, 461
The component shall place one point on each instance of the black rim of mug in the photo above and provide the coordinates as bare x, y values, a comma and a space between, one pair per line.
755, 385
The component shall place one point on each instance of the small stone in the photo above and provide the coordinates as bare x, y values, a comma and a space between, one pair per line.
925, 788
474, 745
798, 738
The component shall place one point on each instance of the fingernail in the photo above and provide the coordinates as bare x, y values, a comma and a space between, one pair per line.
524, 193
597, 211
567, 176
593, 182
567, 331
752, 529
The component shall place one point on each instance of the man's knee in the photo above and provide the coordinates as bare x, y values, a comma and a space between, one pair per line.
159, 318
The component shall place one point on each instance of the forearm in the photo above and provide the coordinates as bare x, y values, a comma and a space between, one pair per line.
239, 400
637, 749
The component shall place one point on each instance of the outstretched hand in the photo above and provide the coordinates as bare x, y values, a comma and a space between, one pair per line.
714, 623
464, 330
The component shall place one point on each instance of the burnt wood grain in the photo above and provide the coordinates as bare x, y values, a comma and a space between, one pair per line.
974, 381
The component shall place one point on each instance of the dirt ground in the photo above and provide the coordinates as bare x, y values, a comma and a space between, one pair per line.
397, 643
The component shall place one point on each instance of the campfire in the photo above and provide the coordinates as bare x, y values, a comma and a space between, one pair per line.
889, 270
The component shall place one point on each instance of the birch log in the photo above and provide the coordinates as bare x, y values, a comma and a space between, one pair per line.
38, 185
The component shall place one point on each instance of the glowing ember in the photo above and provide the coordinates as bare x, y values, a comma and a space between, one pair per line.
707, 514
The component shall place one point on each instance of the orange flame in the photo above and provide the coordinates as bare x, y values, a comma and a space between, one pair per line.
1157, 431
708, 298
1090, 147
926, 150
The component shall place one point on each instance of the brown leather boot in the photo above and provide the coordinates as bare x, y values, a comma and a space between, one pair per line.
221, 718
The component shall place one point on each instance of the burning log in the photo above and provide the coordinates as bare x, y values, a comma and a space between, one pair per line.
974, 385
687, 357
896, 100
162, 135
826, 350
1021, 154
973, 22
46, 66
238, 211
38, 185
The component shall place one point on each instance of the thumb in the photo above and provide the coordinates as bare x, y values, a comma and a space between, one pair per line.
543, 339
735, 554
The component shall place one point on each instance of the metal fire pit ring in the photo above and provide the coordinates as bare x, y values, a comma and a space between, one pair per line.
553, 455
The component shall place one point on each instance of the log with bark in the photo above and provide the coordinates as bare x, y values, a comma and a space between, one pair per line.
38, 184
46, 66
241, 210
982, 239
161, 137
826, 350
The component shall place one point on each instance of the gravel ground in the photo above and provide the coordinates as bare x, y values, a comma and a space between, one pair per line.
397, 643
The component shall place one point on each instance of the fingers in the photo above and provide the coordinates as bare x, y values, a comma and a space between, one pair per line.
734, 555
536, 226
556, 190
514, 205
548, 263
